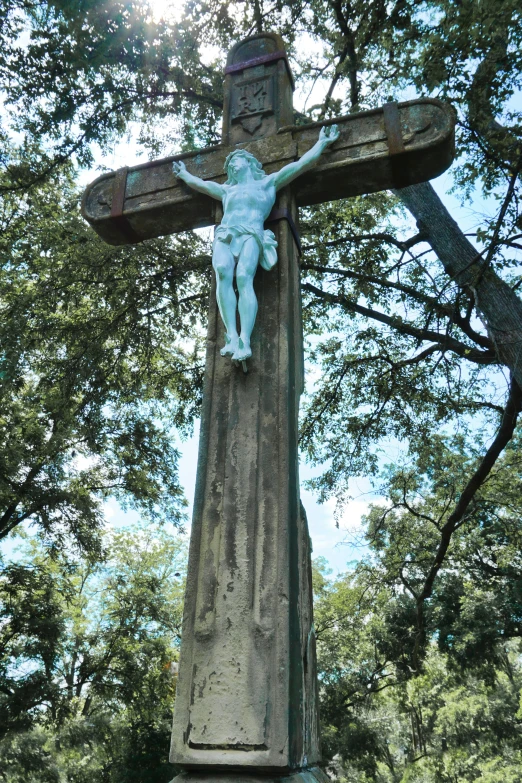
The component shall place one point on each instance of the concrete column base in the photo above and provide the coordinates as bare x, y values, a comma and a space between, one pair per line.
307, 775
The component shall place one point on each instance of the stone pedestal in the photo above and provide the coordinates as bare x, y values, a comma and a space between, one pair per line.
310, 775
246, 698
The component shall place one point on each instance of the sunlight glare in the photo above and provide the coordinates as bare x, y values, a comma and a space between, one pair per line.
170, 10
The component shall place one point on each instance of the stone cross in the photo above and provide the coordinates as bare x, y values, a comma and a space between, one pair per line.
246, 701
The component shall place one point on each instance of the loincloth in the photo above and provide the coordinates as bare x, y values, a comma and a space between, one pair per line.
236, 236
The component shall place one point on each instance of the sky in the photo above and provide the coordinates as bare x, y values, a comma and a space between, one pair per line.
337, 544
336, 540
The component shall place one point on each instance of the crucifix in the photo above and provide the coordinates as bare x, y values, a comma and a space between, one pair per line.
240, 241
246, 699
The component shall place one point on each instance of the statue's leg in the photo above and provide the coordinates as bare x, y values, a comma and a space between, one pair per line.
246, 269
223, 263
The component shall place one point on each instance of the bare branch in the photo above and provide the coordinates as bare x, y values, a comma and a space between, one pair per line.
502, 438
444, 341
383, 236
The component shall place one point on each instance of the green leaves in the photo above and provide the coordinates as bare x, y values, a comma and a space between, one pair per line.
87, 660
440, 702
81, 72
101, 369
101, 360
382, 720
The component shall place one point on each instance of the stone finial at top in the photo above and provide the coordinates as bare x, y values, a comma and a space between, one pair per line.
258, 89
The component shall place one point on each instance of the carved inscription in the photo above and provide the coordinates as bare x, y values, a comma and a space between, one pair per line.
252, 100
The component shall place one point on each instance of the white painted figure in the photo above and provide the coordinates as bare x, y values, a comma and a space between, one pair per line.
241, 241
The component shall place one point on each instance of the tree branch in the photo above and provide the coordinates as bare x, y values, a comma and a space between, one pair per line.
481, 97
499, 306
379, 235
442, 308
444, 341
502, 438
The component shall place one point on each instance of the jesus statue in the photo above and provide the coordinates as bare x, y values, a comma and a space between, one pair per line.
241, 242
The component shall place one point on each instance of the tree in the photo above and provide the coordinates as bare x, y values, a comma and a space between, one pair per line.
74, 75
95, 372
87, 666
456, 717
414, 331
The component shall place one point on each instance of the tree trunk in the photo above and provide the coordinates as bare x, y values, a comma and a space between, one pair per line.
499, 307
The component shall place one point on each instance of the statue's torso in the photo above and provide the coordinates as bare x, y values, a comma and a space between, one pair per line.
248, 204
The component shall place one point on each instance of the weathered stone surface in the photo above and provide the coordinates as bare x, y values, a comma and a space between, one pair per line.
360, 162
311, 775
246, 690
246, 695
156, 203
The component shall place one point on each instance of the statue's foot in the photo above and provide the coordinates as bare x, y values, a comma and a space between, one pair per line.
230, 347
243, 351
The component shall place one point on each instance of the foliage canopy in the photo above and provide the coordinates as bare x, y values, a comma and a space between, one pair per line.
413, 330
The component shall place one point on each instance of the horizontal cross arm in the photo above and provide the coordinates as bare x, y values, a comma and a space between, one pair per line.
390, 147
394, 146
148, 200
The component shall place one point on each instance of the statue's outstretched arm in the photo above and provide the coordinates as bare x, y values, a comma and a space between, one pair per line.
207, 187
287, 174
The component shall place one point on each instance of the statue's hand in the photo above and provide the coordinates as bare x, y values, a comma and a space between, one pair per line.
329, 133
179, 168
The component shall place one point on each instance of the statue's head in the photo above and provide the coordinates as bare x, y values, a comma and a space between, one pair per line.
253, 164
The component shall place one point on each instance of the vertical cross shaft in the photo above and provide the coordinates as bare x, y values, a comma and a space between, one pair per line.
246, 695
